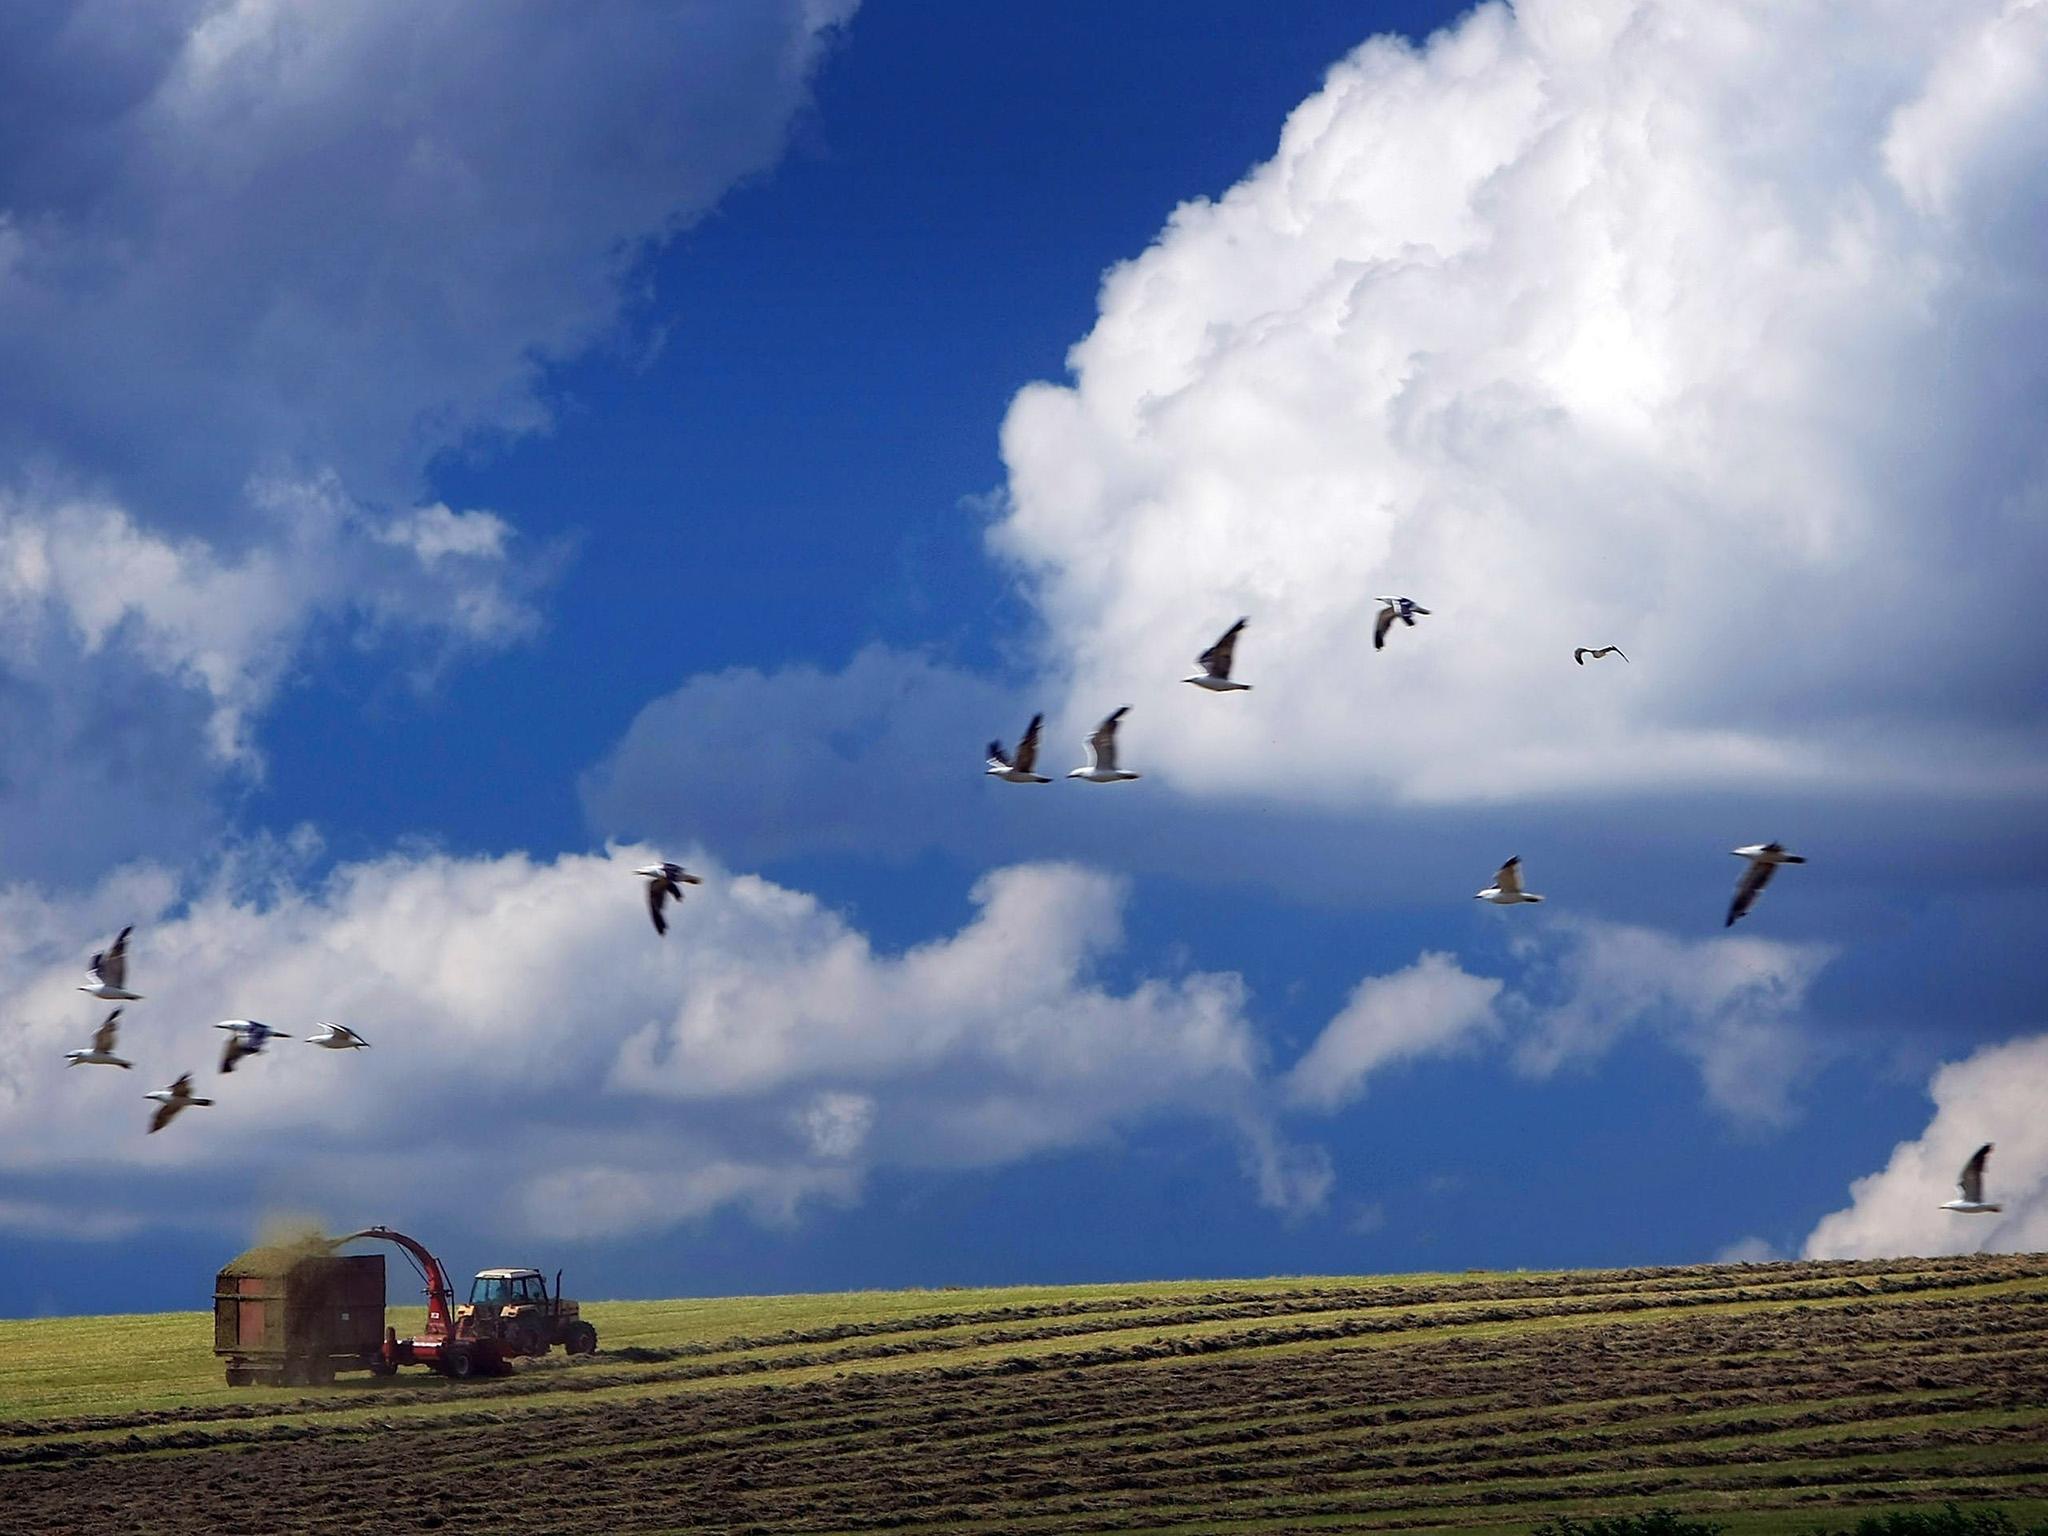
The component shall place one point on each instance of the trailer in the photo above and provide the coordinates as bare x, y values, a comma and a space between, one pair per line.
295, 1316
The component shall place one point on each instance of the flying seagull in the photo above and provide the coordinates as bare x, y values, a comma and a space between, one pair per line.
1102, 768
337, 1037
1506, 890
174, 1098
1215, 664
102, 1052
1018, 769
1402, 608
1764, 859
1971, 1184
108, 973
1580, 653
665, 880
246, 1037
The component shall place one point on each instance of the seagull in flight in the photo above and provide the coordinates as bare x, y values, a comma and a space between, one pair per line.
665, 881
1402, 608
1764, 859
337, 1037
1102, 768
1215, 664
108, 973
1971, 1184
174, 1098
1019, 769
102, 1052
1580, 653
246, 1037
1506, 890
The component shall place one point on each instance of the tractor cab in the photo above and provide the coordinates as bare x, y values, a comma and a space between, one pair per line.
493, 1290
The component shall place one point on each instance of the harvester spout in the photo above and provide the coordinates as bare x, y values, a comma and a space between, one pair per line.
440, 1298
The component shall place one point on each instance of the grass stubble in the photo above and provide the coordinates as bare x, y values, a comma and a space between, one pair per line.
1782, 1397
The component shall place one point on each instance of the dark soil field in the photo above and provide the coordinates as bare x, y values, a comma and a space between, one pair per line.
1772, 1397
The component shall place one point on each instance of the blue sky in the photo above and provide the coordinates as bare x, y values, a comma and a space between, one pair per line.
415, 508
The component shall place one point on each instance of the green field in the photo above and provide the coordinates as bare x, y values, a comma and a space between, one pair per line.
1771, 1397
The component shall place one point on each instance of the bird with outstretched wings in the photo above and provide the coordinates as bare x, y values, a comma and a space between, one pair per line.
1402, 608
665, 882
1216, 660
1022, 766
1102, 742
1972, 1181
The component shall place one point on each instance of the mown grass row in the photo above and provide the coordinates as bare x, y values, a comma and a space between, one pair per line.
135, 1354
1139, 1336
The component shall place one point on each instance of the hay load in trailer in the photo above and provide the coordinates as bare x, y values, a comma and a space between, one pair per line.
293, 1316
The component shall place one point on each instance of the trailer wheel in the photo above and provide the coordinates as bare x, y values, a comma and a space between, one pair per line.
379, 1366
240, 1376
459, 1363
581, 1339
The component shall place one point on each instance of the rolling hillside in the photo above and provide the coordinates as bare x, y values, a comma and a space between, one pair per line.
1774, 1397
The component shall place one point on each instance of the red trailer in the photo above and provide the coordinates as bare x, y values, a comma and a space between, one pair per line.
293, 1316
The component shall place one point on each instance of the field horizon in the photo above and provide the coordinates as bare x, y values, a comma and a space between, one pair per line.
1783, 1396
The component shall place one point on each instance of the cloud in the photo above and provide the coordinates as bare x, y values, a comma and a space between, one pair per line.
263, 261
52, 1219
81, 581
1732, 1005
1749, 1250
528, 1030
1721, 339
281, 236
767, 1055
1432, 1008
882, 755
1994, 1095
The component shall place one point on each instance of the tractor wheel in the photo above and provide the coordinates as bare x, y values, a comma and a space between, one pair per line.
581, 1339
320, 1371
379, 1366
293, 1374
458, 1362
240, 1376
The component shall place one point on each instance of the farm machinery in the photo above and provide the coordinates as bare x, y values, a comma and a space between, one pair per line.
292, 1317
510, 1313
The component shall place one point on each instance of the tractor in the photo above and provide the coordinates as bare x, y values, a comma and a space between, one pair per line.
509, 1313
515, 1306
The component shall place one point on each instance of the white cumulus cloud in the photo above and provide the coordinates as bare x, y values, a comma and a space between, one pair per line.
529, 1029
261, 261
1733, 1007
81, 581
1431, 1008
1731, 1004
1994, 1095
1717, 332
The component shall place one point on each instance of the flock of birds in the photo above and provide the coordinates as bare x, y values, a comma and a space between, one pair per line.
1763, 860
664, 882
107, 980
1021, 766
